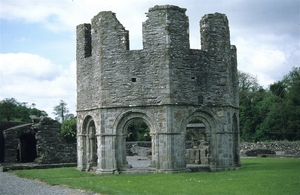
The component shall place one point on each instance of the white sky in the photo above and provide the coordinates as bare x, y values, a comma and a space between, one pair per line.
38, 40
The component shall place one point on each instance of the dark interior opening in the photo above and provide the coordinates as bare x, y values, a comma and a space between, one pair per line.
27, 148
1, 147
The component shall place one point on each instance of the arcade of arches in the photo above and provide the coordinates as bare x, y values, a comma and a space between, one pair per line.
102, 147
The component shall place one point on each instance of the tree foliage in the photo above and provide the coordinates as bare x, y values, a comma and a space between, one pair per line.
138, 131
270, 114
68, 129
12, 110
62, 112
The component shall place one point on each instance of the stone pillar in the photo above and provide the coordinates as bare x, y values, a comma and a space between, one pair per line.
91, 161
83, 41
106, 154
215, 42
170, 153
81, 154
154, 144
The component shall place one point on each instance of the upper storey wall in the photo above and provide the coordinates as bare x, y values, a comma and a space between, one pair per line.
206, 76
165, 71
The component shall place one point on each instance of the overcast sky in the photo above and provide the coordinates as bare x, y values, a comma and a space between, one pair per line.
38, 40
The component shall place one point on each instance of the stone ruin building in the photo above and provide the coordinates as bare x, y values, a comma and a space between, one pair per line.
166, 84
39, 142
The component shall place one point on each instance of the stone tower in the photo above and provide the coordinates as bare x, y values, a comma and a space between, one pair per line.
166, 84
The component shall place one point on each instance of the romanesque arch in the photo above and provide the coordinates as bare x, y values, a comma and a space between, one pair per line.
209, 121
121, 127
89, 144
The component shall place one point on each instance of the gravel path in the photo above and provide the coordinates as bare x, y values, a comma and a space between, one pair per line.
13, 185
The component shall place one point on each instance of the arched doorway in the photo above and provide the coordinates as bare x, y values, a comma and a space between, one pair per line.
88, 142
202, 124
196, 143
138, 152
123, 124
92, 156
26, 148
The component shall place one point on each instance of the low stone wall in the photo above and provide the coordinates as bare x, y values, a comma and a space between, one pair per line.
141, 148
280, 147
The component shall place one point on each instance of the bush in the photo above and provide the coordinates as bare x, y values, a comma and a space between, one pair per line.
69, 129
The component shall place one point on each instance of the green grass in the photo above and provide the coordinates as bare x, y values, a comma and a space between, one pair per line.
256, 176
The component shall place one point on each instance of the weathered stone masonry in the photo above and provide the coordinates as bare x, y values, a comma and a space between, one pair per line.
166, 84
39, 142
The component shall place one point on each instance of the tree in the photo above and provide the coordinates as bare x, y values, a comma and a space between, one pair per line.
251, 94
12, 110
247, 82
8, 108
138, 131
68, 129
278, 89
272, 114
61, 111
292, 81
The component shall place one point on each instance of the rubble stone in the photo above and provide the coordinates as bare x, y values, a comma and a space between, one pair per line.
39, 142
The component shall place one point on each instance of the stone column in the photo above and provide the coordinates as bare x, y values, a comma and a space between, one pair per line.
107, 163
81, 154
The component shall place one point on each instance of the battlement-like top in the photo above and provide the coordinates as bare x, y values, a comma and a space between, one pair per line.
164, 71
214, 15
167, 7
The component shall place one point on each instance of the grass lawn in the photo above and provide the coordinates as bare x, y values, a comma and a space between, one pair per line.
256, 176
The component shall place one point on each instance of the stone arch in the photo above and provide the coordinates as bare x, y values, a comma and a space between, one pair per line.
210, 123
120, 127
89, 143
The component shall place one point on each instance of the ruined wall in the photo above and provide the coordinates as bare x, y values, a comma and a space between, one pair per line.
3, 126
280, 147
166, 84
40, 143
